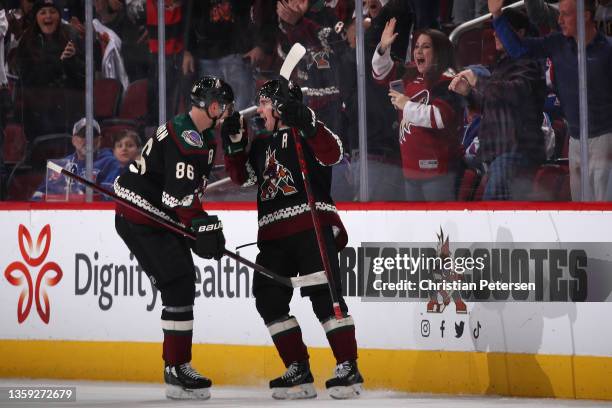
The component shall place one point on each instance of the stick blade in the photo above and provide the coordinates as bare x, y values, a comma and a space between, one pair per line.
55, 167
294, 56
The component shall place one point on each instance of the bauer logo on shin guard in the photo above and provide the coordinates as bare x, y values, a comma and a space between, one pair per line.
211, 227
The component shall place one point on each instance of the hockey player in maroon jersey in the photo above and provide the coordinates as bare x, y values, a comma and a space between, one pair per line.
169, 180
286, 237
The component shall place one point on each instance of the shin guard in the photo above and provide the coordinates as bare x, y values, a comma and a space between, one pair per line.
341, 337
287, 337
177, 324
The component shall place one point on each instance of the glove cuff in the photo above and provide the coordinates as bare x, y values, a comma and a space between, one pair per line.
309, 129
234, 134
236, 147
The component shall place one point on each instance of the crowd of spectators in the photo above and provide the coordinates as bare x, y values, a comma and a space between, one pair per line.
429, 121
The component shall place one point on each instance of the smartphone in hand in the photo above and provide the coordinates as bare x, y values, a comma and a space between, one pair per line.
397, 85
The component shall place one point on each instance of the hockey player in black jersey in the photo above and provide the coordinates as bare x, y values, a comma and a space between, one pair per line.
169, 181
286, 236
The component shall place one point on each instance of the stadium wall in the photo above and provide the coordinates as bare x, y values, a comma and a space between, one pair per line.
75, 305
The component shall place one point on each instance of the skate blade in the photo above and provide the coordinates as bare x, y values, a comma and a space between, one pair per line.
179, 393
351, 391
302, 391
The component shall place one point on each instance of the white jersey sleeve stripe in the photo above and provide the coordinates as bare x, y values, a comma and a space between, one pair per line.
420, 114
381, 64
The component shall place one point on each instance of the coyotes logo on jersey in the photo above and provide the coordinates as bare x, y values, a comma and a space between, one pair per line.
277, 178
321, 58
421, 97
439, 299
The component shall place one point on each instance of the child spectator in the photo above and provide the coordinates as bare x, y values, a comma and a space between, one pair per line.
126, 147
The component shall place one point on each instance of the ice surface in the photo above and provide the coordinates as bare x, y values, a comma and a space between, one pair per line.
128, 395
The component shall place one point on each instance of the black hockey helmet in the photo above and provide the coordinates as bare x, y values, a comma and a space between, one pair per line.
208, 89
272, 91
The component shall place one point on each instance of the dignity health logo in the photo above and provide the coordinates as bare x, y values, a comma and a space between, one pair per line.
33, 256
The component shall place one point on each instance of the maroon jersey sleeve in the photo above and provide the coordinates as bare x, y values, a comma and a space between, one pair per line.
326, 146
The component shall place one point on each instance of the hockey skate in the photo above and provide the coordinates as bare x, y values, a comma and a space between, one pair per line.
296, 383
184, 382
347, 382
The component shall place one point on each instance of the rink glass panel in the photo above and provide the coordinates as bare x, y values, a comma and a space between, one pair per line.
45, 116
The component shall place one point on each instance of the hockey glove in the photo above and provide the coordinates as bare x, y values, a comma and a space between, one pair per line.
295, 114
233, 134
210, 242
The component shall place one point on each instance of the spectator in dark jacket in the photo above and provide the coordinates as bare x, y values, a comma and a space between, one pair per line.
51, 69
545, 16
603, 16
50, 53
511, 100
465, 10
384, 162
130, 27
561, 48
402, 11
19, 19
313, 25
175, 25
224, 41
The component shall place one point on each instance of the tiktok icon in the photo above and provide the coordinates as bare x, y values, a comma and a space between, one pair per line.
476, 331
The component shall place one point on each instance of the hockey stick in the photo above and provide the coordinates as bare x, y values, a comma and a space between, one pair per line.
296, 282
317, 224
293, 58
